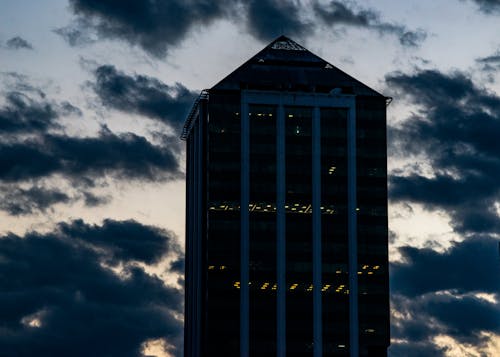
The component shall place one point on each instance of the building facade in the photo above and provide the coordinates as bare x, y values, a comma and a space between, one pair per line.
286, 212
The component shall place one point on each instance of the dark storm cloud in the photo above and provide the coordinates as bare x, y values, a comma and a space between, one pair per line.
16, 43
435, 292
64, 302
124, 156
267, 19
158, 26
22, 161
155, 26
33, 148
341, 13
123, 240
143, 95
464, 318
426, 270
23, 114
92, 200
488, 6
178, 265
456, 128
18, 201
26, 109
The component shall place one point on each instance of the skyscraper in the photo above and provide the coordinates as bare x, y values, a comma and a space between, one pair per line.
286, 219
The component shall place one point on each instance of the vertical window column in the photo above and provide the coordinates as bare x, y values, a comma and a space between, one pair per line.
334, 245
316, 230
299, 242
352, 233
280, 233
222, 242
244, 253
262, 230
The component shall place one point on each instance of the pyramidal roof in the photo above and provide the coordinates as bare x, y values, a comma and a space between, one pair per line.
286, 65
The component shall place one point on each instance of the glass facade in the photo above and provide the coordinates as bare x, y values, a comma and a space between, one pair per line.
298, 199
223, 226
262, 122
334, 239
292, 163
373, 277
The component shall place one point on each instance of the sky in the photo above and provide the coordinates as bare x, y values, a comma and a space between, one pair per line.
93, 95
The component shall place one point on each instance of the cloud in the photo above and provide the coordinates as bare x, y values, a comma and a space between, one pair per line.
159, 26
488, 6
23, 114
178, 265
122, 156
17, 201
16, 43
78, 33
267, 19
143, 95
33, 147
340, 13
409, 38
63, 300
92, 200
425, 270
455, 129
463, 318
26, 109
490, 63
414, 349
439, 293
123, 240
155, 26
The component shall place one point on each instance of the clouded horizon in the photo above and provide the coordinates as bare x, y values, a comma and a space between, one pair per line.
93, 95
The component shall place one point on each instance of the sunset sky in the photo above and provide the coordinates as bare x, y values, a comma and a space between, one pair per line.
93, 94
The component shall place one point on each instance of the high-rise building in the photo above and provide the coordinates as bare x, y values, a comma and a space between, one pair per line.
286, 220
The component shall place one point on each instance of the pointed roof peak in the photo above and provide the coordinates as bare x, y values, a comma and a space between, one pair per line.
285, 65
285, 43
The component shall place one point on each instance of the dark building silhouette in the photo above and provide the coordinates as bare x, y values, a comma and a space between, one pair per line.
286, 222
